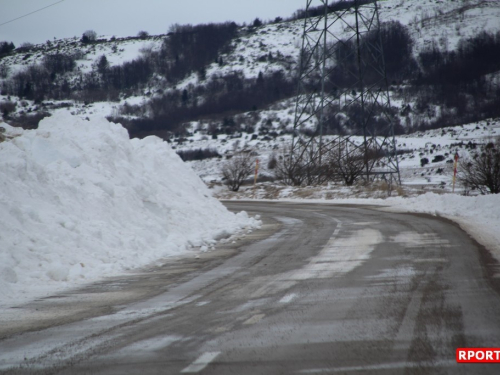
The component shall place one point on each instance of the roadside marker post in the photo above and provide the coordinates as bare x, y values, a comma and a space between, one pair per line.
455, 166
256, 171
255, 177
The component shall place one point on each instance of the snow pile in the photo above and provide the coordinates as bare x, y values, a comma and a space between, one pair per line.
79, 201
478, 215
482, 207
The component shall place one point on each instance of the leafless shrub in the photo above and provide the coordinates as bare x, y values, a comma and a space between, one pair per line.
272, 162
346, 162
7, 108
4, 70
304, 166
482, 171
340, 160
198, 154
237, 169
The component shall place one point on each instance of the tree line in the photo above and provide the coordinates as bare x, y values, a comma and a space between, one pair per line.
6, 48
459, 81
220, 96
336, 6
187, 49
455, 80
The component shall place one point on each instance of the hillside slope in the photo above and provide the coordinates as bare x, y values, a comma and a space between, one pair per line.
239, 83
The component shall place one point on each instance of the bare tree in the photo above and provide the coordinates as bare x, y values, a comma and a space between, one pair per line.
346, 162
237, 169
333, 161
289, 170
101, 64
272, 161
4, 70
304, 166
482, 171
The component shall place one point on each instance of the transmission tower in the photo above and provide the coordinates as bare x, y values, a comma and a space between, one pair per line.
343, 89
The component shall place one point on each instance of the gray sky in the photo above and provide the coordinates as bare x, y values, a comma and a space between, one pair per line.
127, 17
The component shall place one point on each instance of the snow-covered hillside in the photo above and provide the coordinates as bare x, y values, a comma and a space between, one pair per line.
80, 201
265, 49
116, 50
442, 22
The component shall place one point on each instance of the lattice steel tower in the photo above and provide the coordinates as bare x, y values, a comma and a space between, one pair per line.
343, 89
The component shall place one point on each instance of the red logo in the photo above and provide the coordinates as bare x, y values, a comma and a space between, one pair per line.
478, 355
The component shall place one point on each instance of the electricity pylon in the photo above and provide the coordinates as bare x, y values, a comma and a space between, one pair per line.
343, 89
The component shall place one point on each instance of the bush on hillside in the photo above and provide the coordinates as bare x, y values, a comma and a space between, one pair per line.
198, 154
236, 170
482, 171
58, 63
189, 48
6, 47
397, 47
221, 96
6, 108
89, 36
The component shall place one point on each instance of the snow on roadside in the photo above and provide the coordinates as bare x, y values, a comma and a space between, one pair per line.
80, 201
477, 215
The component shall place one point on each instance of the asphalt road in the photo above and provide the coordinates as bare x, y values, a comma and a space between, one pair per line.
321, 289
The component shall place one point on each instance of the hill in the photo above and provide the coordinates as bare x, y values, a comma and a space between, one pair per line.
226, 81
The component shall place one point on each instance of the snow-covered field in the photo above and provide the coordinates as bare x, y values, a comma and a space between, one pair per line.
80, 201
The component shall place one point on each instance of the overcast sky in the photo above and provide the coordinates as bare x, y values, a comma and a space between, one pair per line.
69, 18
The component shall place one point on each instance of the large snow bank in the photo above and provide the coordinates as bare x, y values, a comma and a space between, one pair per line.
478, 215
79, 201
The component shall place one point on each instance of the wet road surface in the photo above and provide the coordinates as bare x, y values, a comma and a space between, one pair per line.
321, 289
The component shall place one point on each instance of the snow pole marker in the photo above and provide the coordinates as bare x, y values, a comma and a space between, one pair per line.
256, 171
455, 166
255, 177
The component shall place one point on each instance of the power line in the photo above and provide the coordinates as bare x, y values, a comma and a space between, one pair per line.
35, 11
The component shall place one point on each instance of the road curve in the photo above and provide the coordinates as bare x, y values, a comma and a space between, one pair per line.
322, 289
